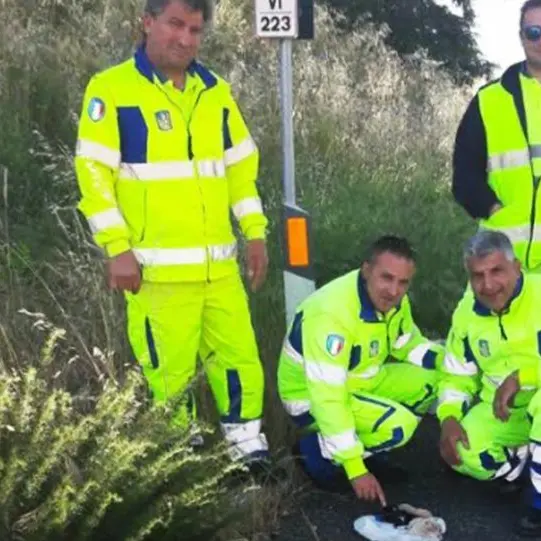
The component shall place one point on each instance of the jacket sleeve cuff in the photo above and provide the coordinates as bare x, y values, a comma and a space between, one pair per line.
117, 247
354, 467
449, 409
256, 232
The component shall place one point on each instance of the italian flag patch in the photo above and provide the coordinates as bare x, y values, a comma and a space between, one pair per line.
335, 344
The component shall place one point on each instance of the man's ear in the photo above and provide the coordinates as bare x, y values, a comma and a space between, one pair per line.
365, 269
518, 266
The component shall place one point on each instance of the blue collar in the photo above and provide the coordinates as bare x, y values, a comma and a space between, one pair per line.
368, 312
148, 70
481, 310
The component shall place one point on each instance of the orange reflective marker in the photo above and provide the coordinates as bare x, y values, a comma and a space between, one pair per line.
297, 238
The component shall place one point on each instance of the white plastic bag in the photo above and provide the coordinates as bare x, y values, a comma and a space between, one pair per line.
401, 523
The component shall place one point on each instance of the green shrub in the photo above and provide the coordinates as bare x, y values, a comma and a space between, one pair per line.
118, 471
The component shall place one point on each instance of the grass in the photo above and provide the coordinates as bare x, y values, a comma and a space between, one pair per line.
373, 140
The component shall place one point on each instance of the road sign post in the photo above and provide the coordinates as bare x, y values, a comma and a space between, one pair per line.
282, 19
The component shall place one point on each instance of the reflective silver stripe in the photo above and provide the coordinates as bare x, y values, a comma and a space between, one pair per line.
367, 374
403, 340
535, 451
244, 449
99, 153
537, 234
453, 396
417, 354
296, 407
244, 207
495, 381
103, 220
222, 252
523, 454
239, 152
184, 256
331, 445
325, 373
535, 151
516, 234
211, 168
157, 171
508, 160
171, 170
291, 352
237, 432
459, 368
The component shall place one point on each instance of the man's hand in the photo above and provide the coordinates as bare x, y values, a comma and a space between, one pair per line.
504, 397
367, 488
451, 433
124, 273
257, 262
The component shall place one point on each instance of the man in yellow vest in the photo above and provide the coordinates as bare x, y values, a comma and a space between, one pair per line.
488, 392
497, 156
163, 157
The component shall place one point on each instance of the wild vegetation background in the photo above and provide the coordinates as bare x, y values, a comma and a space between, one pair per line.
79, 448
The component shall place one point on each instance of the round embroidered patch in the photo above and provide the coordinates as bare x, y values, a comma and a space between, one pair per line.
96, 109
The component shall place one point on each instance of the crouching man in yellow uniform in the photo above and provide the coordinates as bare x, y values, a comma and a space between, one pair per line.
347, 401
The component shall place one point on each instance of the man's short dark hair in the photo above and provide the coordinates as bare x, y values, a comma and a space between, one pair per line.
398, 246
527, 6
155, 7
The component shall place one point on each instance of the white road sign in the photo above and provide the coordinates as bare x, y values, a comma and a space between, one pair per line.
277, 18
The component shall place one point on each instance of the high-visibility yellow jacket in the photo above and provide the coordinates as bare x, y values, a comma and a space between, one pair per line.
336, 346
483, 348
497, 159
161, 169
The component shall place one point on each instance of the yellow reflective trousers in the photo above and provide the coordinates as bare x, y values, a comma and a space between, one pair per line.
170, 324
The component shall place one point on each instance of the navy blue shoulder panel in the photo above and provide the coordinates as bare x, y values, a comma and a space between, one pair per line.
133, 135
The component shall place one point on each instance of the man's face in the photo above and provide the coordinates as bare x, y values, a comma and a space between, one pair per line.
493, 279
174, 36
531, 27
388, 278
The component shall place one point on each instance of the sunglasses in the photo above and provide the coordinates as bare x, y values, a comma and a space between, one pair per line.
532, 33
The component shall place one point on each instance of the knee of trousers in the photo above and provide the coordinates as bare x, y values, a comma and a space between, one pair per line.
475, 463
396, 432
315, 465
409, 423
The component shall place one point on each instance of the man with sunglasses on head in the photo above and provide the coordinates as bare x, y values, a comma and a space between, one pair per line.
497, 155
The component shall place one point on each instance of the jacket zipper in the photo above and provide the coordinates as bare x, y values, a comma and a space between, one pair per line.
532, 217
190, 155
387, 325
502, 330
187, 123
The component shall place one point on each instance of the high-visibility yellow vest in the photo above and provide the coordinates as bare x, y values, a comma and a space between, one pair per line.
161, 170
514, 165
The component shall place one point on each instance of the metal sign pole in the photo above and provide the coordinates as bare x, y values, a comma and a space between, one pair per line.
289, 20
286, 94
298, 272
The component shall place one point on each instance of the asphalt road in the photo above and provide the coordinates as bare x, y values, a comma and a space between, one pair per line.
471, 509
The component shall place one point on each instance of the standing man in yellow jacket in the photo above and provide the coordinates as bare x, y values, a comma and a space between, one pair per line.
163, 157
497, 157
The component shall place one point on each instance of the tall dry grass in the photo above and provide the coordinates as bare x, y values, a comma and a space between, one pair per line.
373, 140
